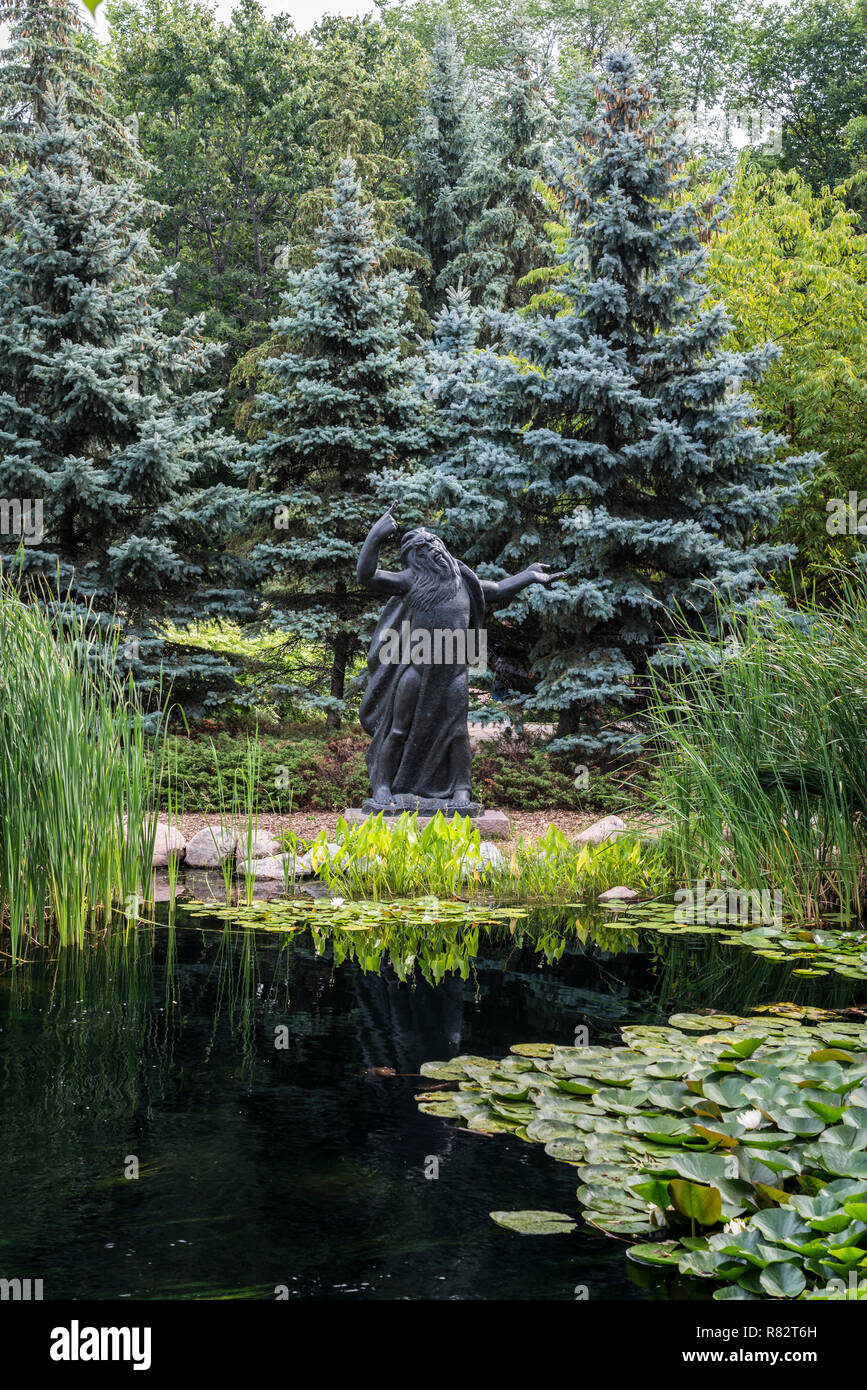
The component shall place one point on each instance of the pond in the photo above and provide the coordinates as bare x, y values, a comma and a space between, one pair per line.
194, 1111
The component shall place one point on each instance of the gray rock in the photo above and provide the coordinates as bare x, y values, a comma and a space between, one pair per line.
211, 847
262, 844
619, 894
609, 828
167, 842
274, 866
490, 858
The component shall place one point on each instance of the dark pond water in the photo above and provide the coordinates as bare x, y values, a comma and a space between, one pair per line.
304, 1166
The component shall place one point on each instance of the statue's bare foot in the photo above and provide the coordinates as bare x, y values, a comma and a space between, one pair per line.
461, 796
382, 794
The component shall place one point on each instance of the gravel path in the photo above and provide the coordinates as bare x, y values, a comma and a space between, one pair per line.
526, 824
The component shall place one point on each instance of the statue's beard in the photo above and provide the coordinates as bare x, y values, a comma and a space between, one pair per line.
435, 576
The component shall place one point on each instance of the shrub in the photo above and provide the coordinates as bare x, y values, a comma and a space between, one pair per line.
326, 771
522, 774
307, 771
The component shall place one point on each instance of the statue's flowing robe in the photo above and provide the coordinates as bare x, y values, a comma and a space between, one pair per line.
435, 757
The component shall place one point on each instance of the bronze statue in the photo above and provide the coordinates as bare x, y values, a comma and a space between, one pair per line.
415, 704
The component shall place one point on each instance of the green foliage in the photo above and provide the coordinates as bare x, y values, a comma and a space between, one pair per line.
245, 124
344, 399
101, 425
309, 770
807, 63
612, 441
368, 85
832, 947
505, 235
421, 937
522, 774
396, 857
223, 132
696, 46
237, 131
442, 150
740, 1141
78, 776
48, 48
759, 740
791, 266
327, 771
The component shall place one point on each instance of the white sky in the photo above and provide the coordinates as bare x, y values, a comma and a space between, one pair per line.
304, 13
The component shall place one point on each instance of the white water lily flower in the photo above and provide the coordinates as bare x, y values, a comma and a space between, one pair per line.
733, 1228
337, 902
750, 1119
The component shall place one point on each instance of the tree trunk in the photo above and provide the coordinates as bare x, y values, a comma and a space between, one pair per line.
66, 534
338, 676
569, 721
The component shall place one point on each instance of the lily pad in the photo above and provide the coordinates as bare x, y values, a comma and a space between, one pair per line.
757, 1137
535, 1223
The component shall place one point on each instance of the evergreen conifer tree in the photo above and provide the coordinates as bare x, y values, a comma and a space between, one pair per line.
454, 418
442, 152
506, 237
344, 401
614, 440
104, 442
46, 50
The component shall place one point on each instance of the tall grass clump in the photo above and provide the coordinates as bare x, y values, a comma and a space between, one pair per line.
78, 775
760, 739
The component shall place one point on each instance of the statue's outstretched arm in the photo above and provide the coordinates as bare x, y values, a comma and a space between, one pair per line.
367, 571
505, 589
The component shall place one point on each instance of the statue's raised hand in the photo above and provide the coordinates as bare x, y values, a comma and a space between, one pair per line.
542, 574
385, 526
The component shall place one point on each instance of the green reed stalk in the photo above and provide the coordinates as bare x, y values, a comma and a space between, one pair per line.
759, 740
248, 799
78, 774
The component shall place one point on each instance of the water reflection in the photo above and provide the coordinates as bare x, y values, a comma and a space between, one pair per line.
303, 1165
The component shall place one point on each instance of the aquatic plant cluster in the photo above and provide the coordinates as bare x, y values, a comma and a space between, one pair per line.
399, 857
757, 729
736, 1148
812, 951
78, 774
435, 938
79, 826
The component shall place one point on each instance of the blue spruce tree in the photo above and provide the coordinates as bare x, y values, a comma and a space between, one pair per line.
453, 387
343, 401
110, 473
614, 439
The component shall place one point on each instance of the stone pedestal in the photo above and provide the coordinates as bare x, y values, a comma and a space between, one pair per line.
423, 805
491, 825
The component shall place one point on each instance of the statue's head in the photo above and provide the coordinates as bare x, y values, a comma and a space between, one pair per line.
425, 553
